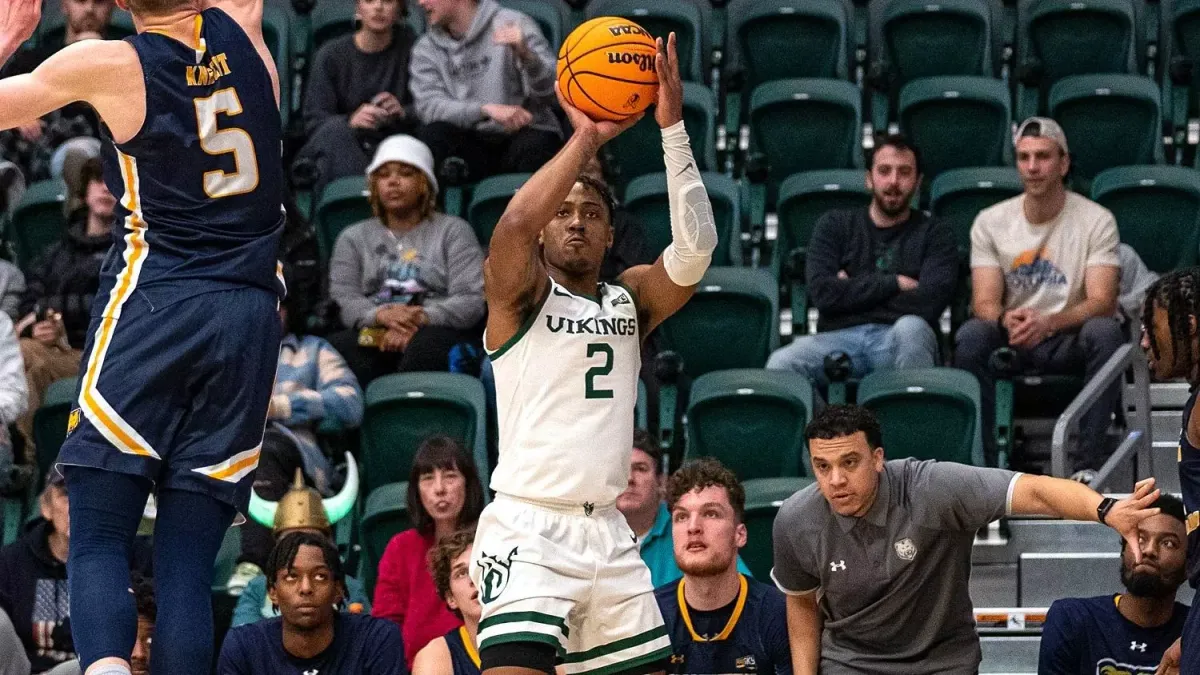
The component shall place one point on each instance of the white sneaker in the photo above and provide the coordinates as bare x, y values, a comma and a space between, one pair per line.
242, 575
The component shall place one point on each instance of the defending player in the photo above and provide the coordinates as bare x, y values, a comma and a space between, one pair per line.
556, 566
181, 353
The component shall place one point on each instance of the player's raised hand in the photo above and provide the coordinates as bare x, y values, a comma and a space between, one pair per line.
669, 109
18, 20
604, 130
1126, 514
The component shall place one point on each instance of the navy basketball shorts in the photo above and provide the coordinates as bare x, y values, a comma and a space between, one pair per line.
178, 394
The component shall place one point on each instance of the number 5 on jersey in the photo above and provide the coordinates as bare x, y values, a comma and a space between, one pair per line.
216, 141
604, 351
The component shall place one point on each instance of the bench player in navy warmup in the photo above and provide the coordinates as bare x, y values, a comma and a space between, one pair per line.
182, 349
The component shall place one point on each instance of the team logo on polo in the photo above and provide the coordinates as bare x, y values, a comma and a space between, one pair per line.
906, 549
495, 574
1112, 667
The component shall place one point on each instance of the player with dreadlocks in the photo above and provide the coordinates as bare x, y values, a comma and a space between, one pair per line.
1172, 344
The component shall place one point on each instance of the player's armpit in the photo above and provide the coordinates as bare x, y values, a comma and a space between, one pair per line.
90, 71
658, 297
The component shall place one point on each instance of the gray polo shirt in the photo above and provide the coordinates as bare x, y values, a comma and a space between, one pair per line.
893, 585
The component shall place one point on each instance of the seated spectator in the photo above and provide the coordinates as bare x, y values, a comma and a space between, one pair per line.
33, 580
12, 288
301, 509
147, 612
12, 653
306, 580
15, 472
454, 653
880, 275
358, 91
444, 496
646, 512
1127, 632
312, 387
483, 83
57, 306
719, 620
408, 282
1045, 276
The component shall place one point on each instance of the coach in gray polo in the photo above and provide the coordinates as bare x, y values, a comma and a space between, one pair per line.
876, 556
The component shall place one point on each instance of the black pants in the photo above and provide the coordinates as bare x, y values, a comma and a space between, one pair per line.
277, 464
1083, 351
429, 350
490, 154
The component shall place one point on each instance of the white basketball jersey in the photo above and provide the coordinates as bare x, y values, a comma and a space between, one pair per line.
566, 388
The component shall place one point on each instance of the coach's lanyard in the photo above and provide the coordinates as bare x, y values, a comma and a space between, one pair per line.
733, 618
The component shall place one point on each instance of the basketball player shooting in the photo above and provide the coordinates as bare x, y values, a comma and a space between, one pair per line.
558, 569
182, 349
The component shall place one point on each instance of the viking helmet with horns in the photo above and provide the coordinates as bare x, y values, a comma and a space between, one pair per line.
303, 508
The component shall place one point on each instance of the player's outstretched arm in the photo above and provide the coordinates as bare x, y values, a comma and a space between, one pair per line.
1061, 498
664, 287
94, 71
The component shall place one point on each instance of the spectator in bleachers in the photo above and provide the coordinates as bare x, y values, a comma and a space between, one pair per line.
301, 509
408, 282
646, 511
1045, 276
444, 496
147, 612
33, 580
483, 85
306, 581
454, 653
358, 91
15, 471
12, 288
13, 660
719, 619
57, 305
1127, 632
880, 276
875, 557
313, 387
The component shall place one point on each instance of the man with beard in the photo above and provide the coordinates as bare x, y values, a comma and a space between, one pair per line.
1127, 632
880, 276
719, 620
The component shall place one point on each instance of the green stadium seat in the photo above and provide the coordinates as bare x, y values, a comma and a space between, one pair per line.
342, 203
638, 151
785, 39
489, 200
38, 221
1181, 40
689, 19
50, 421
752, 420
957, 196
913, 39
552, 16
805, 197
1110, 120
764, 496
731, 322
330, 20
646, 200
927, 413
1157, 210
403, 410
957, 122
385, 514
806, 125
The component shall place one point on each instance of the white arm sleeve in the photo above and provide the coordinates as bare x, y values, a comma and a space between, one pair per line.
693, 231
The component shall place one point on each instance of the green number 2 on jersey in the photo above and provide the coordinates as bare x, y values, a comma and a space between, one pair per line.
603, 350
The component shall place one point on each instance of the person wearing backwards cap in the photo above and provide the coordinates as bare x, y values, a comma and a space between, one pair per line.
1045, 277
300, 510
408, 281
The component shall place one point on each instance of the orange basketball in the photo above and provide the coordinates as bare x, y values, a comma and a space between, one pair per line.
606, 68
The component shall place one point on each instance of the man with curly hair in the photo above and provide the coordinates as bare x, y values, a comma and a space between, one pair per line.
455, 652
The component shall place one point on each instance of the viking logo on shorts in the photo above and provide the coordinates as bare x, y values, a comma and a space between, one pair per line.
906, 549
495, 574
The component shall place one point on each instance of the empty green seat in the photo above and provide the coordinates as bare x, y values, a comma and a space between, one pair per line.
764, 496
784, 39
403, 410
1157, 210
957, 196
731, 322
646, 200
805, 197
330, 20
488, 202
552, 17
342, 203
912, 39
1110, 120
51, 419
957, 122
39, 220
806, 125
752, 420
927, 413
384, 515
638, 151
689, 19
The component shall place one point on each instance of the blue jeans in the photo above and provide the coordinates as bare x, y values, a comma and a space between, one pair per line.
908, 343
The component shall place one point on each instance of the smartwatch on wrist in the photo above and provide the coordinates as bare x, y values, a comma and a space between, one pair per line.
1105, 506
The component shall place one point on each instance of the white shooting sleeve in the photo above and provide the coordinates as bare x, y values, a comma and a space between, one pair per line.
693, 231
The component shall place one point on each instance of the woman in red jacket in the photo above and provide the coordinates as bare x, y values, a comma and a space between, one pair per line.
444, 495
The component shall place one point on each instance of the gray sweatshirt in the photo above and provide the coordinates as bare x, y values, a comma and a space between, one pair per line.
452, 79
438, 264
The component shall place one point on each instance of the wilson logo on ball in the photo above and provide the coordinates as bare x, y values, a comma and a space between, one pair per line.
645, 62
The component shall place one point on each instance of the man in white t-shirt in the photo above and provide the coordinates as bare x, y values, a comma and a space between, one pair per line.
1045, 278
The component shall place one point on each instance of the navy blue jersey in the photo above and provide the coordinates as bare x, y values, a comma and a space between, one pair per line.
362, 645
1189, 485
748, 635
463, 656
200, 187
1089, 635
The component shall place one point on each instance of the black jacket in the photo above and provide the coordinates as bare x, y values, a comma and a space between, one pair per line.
67, 277
847, 240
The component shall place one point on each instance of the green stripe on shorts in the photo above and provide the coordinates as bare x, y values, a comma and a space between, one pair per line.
656, 655
533, 617
521, 636
619, 645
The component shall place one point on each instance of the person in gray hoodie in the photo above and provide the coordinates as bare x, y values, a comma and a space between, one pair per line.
482, 80
408, 282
